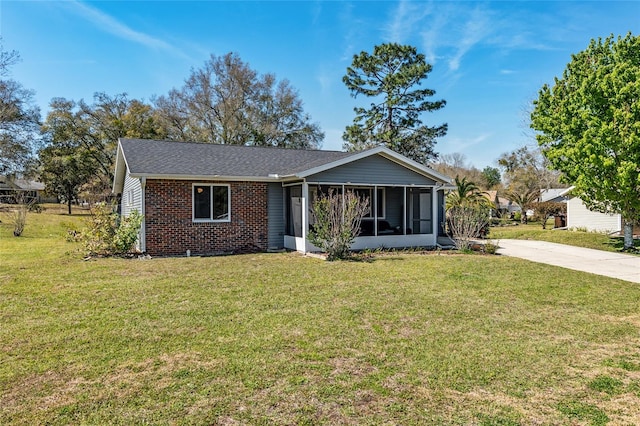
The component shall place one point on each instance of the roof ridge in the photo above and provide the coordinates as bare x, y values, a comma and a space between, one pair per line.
233, 146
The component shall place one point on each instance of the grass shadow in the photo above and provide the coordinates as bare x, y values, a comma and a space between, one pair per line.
617, 243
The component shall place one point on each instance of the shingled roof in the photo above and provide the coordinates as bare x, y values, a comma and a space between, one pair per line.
167, 158
188, 160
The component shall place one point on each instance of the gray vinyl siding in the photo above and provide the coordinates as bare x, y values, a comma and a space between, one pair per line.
133, 187
372, 170
275, 211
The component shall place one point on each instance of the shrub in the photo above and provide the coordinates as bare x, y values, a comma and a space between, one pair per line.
18, 215
491, 248
107, 234
337, 220
467, 223
127, 232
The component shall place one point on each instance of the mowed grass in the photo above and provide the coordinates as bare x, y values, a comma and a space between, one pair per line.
534, 231
284, 339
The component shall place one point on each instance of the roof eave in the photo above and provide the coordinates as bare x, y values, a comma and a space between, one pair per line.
208, 177
566, 192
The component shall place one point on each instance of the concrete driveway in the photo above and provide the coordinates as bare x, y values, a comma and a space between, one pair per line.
616, 265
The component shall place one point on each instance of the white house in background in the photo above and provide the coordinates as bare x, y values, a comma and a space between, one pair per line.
579, 216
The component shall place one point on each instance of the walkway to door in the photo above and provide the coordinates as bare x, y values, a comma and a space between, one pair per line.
615, 265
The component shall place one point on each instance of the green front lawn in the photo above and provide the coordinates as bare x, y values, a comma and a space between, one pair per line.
284, 339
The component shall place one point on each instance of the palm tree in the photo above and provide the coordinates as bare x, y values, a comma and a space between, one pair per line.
468, 213
466, 194
525, 198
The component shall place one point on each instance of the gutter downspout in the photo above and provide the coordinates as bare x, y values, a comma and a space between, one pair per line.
143, 206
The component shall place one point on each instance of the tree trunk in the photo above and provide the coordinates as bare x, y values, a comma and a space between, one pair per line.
628, 234
69, 205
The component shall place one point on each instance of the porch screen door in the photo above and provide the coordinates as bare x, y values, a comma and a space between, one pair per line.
420, 214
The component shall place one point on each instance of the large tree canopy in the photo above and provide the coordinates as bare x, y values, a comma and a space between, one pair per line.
227, 102
19, 120
589, 124
390, 76
83, 135
527, 167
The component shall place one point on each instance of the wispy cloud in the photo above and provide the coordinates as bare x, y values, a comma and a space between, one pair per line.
405, 18
350, 23
462, 144
474, 31
450, 31
119, 29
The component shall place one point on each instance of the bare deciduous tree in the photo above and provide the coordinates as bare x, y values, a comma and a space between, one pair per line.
227, 102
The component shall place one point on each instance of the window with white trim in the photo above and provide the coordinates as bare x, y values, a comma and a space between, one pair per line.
211, 203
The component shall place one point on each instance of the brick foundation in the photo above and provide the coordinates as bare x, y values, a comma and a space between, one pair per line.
170, 229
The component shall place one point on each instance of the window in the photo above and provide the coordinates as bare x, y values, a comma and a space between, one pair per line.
130, 197
211, 203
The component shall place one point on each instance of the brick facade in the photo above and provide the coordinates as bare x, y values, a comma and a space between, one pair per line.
170, 229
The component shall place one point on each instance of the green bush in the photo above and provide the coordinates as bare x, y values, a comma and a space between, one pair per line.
108, 234
490, 248
127, 232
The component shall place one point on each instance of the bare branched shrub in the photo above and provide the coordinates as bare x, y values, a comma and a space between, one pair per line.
467, 223
18, 216
337, 219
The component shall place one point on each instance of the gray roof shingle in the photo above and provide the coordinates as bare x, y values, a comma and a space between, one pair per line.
168, 158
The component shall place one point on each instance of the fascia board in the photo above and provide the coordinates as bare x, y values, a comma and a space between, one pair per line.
566, 192
206, 177
448, 187
120, 170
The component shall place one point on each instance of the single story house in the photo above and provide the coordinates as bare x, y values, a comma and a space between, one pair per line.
207, 199
30, 190
579, 216
502, 206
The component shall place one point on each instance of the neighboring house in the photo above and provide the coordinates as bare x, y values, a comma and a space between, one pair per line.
210, 199
579, 216
505, 207
29, 189
553, 195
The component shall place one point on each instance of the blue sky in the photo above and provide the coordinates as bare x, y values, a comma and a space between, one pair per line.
490, 58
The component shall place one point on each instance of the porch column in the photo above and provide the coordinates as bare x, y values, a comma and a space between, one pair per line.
434, 212
404, 210
374, 209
